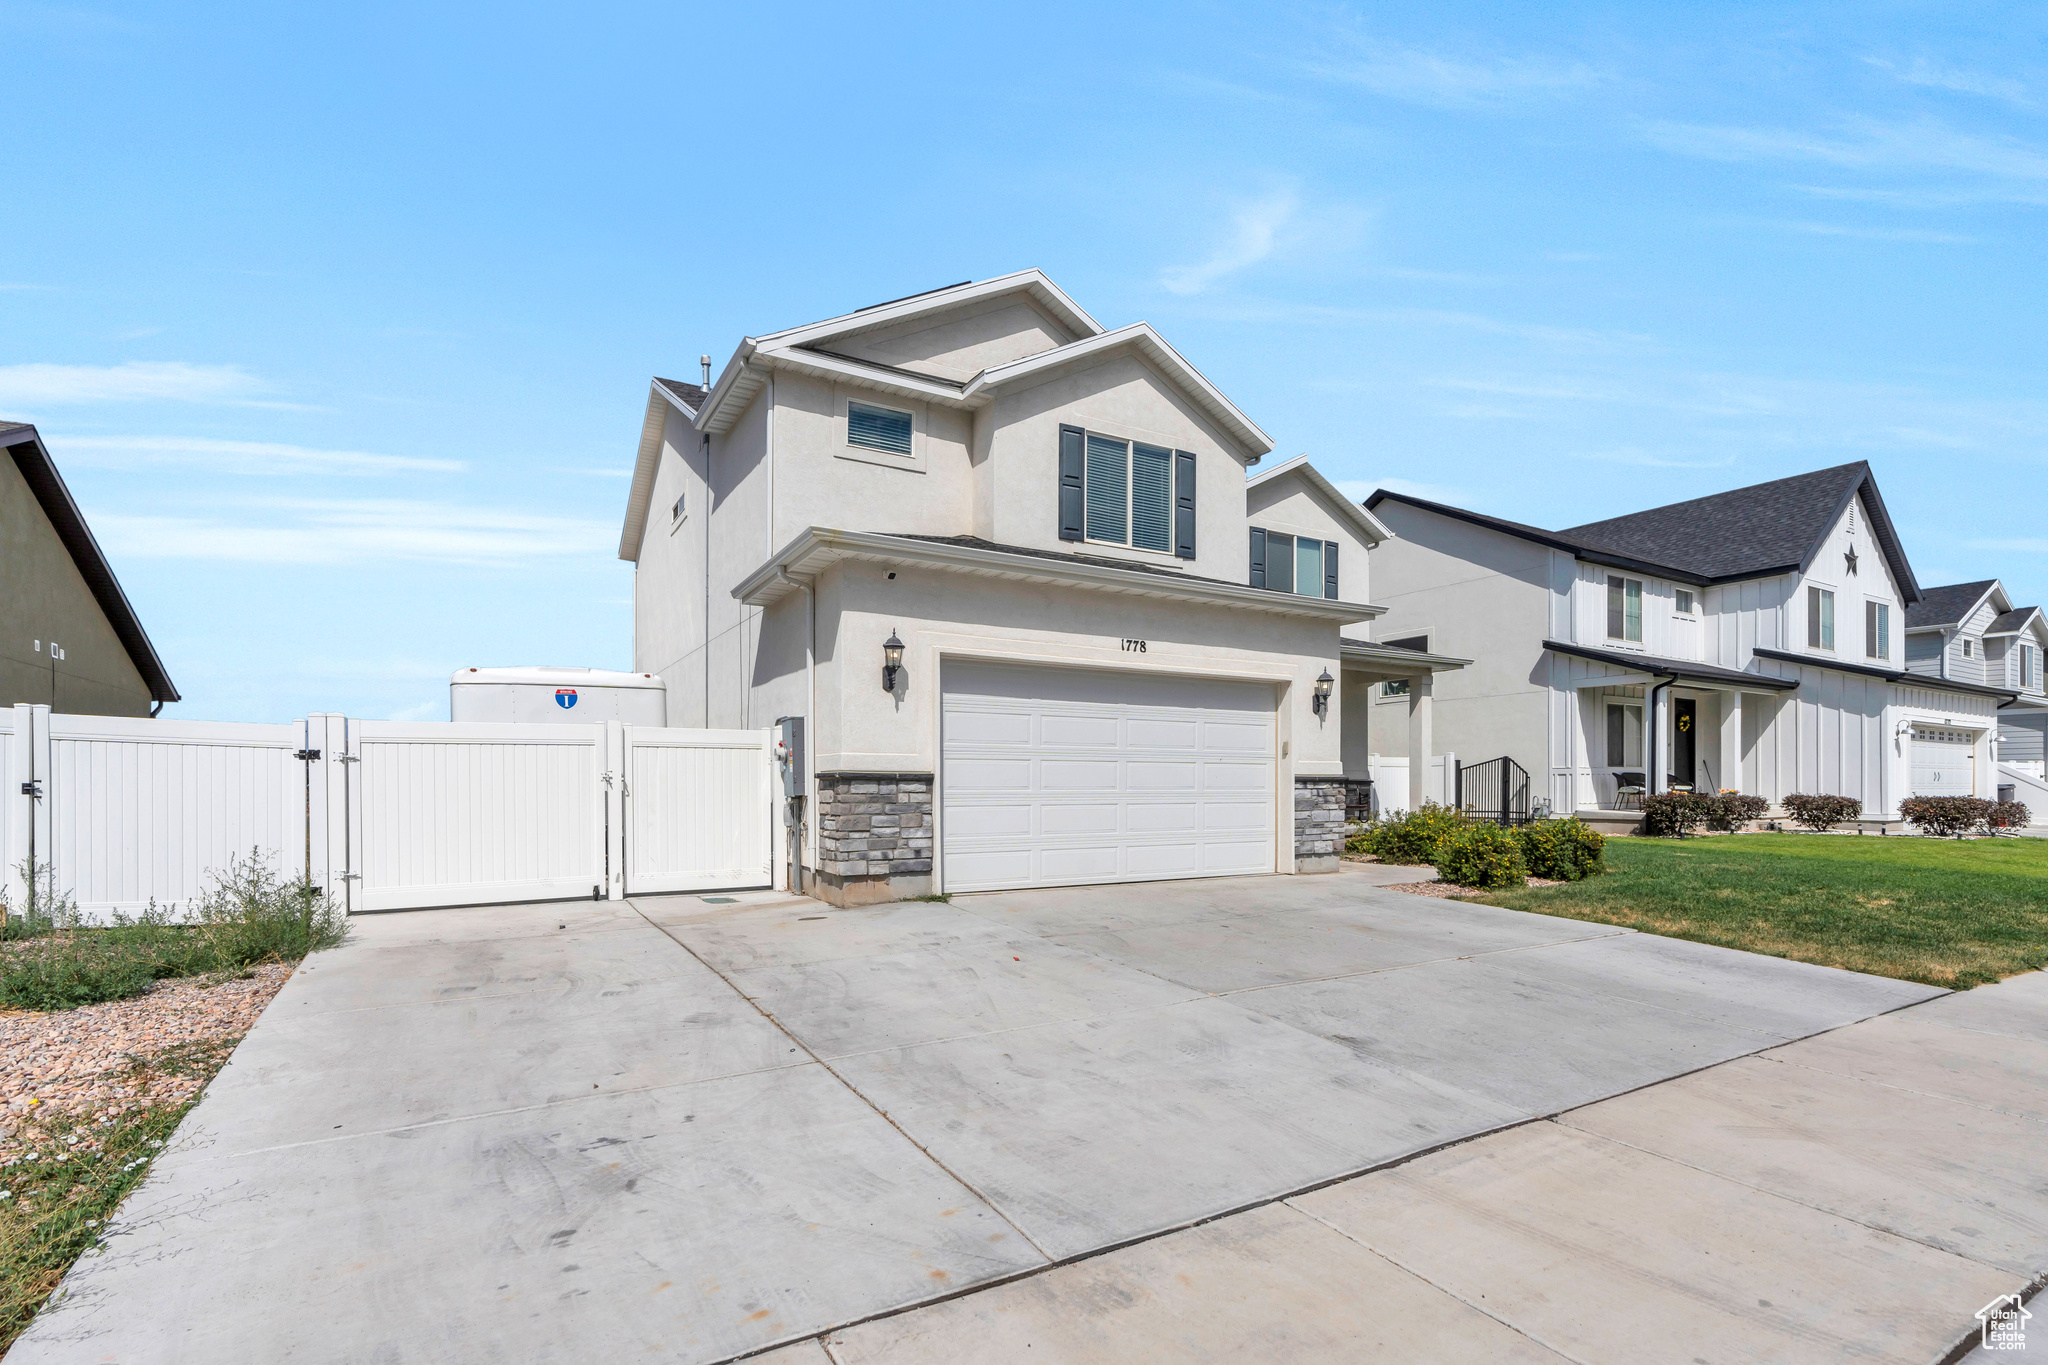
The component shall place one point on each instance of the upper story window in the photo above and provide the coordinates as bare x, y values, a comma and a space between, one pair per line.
1681, 602
877, 428
1877, 630
1296, 564
675, 514
1624, 608
1969, 646
1820, 618
2030, 667
1122, 492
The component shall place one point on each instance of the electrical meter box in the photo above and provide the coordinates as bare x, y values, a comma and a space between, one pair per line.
789, 754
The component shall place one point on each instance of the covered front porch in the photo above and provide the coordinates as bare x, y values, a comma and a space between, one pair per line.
1376, 781
1642, 726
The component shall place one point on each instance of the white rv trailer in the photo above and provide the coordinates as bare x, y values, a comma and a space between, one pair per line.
557, 695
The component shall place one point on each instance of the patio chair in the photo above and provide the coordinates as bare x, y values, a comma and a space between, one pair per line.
1629, 789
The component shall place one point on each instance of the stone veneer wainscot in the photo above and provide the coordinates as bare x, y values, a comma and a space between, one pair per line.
1318, 823
874, 837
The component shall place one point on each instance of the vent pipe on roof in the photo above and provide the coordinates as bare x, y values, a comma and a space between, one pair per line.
705, 361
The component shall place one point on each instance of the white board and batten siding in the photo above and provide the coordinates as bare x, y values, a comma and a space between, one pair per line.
1055, 777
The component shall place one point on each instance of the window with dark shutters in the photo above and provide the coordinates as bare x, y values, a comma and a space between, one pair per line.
1073, 465
1258, 558
1184, 504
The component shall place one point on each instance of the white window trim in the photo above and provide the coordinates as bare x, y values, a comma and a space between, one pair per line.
675, 523
1891, 632
843, 416
1131, 444
1642, 600
1806, 609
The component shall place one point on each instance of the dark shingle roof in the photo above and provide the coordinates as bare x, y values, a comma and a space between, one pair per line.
2010, 621
1946, 606
1766, 528
692, 394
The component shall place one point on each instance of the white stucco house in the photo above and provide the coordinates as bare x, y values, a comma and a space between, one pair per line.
1972, 632
1004, 563
1754, 639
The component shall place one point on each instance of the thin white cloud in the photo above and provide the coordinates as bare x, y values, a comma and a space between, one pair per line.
1921, 145
1255, 228
1631, 455
296, 531
235, 457
37, 385
1933, 75
1881, 234
1422, 77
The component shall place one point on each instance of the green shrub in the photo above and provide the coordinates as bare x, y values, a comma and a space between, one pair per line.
1677, 814
1355, 837
46, 908
1566, 850
249, 916
1482, 855
1412, 837
1822, 812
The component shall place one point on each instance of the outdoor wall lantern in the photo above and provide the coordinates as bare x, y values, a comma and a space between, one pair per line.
1322, 697
892, 660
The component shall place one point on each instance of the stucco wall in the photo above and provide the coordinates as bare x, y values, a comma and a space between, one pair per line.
1476, 594
962, 342
1017, 450
44, 597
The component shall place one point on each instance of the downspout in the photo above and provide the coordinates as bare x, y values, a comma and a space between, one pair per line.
710, 501
810, 711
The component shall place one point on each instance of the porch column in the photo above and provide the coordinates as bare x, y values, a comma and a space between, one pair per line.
1657, 737
1420, 742
1731, 740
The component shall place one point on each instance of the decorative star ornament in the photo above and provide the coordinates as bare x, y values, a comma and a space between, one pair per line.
1851, 558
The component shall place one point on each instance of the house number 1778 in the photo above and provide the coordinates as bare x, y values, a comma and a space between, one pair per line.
1134, 646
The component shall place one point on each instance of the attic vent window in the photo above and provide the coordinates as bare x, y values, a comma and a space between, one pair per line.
873, 428
1852, 518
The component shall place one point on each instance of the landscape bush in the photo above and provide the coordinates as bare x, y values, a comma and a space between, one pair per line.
1565, 850
1946, 816
1822, 812
1733, 810
1411, 837
2009, 815
1481, 855
248, 916
1674, 815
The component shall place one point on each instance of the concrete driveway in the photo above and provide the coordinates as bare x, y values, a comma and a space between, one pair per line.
687, 1130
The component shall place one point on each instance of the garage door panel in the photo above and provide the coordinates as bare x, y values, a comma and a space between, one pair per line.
1944, 761
1109, 777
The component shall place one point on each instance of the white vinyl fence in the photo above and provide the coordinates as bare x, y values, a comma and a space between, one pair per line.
384, 815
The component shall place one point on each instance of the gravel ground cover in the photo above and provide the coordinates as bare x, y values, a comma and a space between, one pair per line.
93, 1061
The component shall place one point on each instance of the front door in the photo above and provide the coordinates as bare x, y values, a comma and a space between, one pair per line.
1684, 732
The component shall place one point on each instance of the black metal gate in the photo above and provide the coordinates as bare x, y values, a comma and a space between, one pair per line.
1497, 790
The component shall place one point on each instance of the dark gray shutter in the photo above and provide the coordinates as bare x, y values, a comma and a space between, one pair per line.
1330, 569
1258, 558
1183, 504
1072, 462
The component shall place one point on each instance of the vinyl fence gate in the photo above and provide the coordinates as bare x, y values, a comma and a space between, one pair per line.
383, 815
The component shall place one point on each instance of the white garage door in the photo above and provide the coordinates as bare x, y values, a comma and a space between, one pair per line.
1052, 777
1943, 761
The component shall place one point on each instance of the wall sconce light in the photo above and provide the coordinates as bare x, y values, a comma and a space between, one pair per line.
892, 661
1321, 703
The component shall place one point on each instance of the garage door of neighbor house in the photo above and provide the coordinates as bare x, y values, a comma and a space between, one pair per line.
1944, 761
1054, 777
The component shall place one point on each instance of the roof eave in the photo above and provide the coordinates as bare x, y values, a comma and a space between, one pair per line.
818, 547
1370, 526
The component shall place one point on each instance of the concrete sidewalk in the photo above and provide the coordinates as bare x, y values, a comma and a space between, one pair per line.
1855, 1196
696, 1130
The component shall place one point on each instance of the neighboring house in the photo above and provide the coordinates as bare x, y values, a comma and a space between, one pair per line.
1000, 559
69, 640
1973, 633
1755, 639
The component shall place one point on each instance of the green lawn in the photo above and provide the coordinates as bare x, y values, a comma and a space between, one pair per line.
1944, 912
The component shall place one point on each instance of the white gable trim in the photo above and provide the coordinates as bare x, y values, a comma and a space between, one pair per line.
1140, 337
646, 465
1043, 292
1368, 525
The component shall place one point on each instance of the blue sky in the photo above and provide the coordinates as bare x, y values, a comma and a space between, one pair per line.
339, 320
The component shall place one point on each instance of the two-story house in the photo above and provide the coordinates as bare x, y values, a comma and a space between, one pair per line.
999, 558
1972, 632
1751, 640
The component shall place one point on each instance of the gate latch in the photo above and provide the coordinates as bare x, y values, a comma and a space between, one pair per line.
306, 755
32, 788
